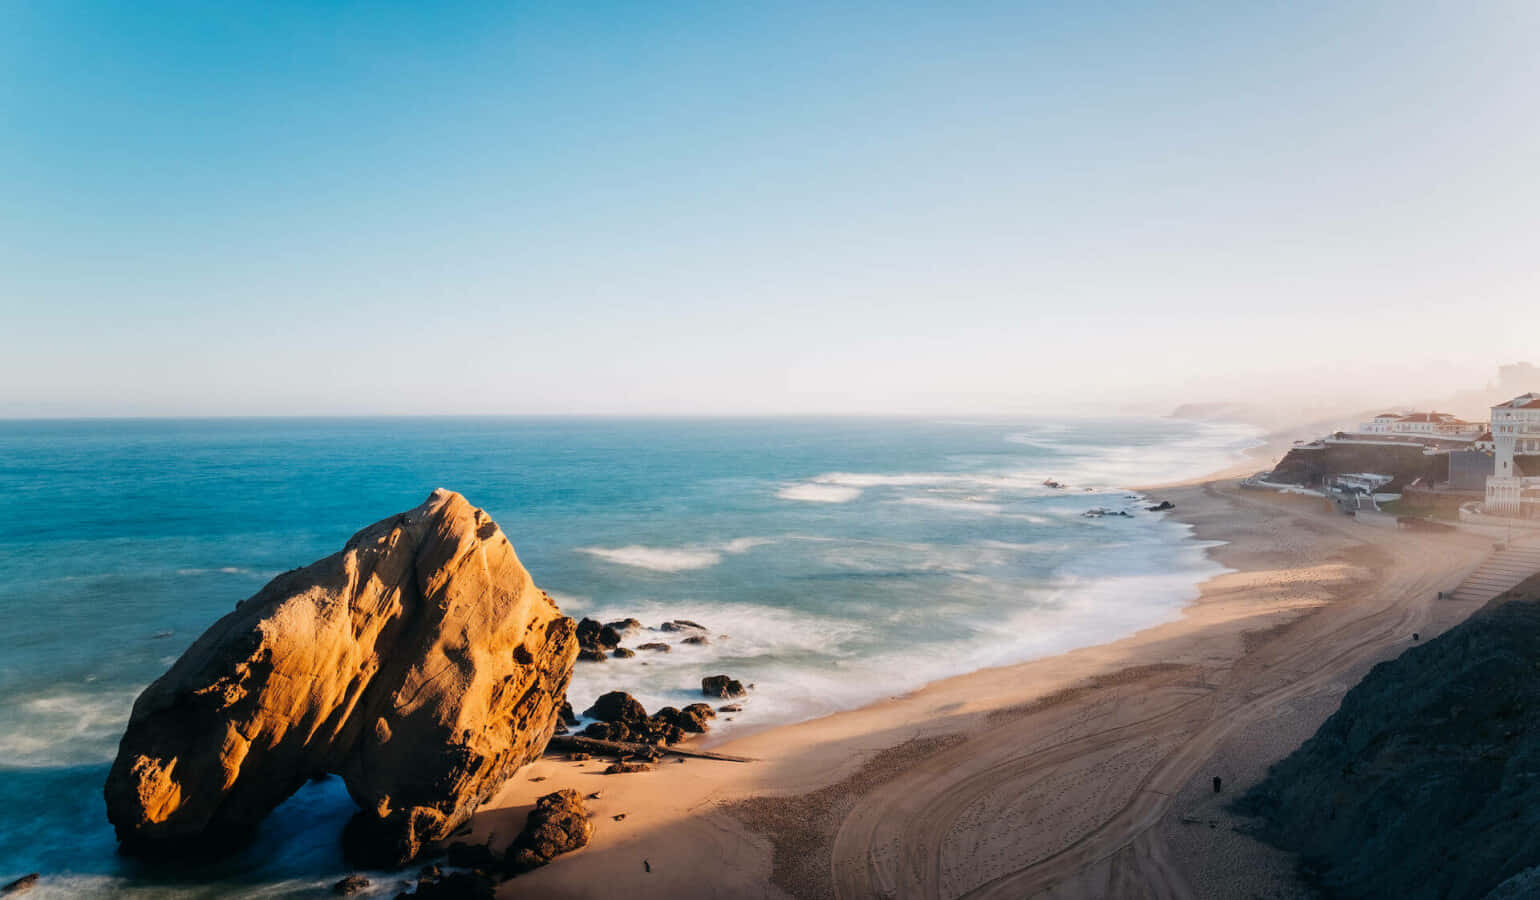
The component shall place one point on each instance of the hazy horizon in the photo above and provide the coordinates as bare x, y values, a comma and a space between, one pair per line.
713, 210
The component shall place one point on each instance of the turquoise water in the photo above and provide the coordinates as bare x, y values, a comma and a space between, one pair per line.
834, 562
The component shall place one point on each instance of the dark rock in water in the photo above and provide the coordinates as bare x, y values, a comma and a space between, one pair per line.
644, 733
682, 625
567, 715
695, 639
469, 856
608, 731
1096, 512
731, 707
672, 723
593, 636
624, 626
1049, 482
429, 872
352, 884
700, 709
337, 667
591, 654
664, 729
622, 653
690, 719
693, 719
1423, 785
617, 706
558, 824
21, 885
622, 718
454, 886
1162, 506
655, 646
721, 686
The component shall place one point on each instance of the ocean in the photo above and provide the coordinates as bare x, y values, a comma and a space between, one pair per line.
834, 562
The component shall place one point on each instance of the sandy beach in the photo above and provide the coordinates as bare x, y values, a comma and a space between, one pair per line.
1087, 774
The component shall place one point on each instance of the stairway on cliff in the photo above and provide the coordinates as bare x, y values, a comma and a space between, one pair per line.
1501, 571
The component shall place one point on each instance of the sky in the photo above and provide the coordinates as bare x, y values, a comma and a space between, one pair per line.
325, 208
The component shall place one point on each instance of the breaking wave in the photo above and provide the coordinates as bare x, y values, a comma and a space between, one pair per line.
672, 559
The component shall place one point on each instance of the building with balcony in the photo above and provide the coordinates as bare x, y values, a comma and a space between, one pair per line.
1515, 432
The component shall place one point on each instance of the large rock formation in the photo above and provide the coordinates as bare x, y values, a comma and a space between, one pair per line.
1424, 784
420, 663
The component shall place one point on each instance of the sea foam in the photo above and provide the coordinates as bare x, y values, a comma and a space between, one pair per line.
673, 559
813, 492
63, 726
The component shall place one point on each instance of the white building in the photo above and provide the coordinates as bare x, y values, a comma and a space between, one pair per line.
1515, 429
1423, 423
1380, 424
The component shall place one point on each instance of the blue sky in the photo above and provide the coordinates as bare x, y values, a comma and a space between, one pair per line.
315, 208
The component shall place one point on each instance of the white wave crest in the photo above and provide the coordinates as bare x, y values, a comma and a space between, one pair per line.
674, 559
812, 492
938, 482
222, 570
965, 505
657, 559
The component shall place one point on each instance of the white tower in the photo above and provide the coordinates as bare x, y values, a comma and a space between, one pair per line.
1512, 422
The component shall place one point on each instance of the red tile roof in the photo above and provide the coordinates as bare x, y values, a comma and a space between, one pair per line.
1523, 401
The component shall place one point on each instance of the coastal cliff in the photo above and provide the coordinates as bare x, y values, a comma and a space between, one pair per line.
1426, 782
420, 663
1405, 463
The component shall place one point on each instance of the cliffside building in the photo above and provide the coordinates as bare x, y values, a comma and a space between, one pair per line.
1515, 431
1423, 423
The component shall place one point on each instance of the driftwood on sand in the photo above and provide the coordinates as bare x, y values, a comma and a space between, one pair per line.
570, 742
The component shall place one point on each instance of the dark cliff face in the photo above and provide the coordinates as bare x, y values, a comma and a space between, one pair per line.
1426, 783
1405, 463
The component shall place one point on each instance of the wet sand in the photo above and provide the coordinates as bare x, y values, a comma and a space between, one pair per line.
1086, 774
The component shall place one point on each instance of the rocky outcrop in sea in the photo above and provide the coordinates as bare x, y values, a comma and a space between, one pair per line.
420, 663
1426, 782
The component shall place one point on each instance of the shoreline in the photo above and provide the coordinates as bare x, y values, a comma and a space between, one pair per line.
1245, 461
1074, 772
